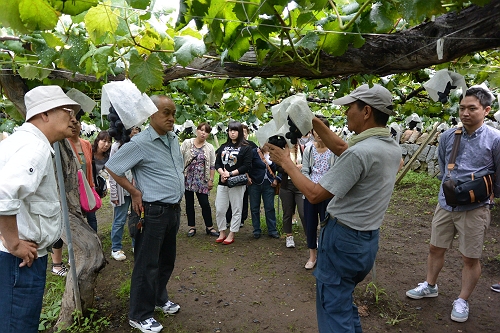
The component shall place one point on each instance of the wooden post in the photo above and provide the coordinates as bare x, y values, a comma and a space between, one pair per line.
415, 155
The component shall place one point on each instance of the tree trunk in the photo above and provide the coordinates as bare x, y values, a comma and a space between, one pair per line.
471, 30
87, 246
89, 256
14, 88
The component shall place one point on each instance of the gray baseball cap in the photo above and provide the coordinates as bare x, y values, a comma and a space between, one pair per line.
377, 97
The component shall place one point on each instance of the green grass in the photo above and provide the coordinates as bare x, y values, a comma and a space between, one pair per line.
418, 187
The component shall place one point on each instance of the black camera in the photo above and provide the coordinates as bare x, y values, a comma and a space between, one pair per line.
277, 140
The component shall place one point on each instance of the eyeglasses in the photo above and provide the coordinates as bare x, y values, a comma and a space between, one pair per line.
70, 111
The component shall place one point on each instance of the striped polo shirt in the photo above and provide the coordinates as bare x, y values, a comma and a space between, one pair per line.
156, 163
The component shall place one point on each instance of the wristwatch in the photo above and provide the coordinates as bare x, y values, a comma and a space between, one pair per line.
230, 173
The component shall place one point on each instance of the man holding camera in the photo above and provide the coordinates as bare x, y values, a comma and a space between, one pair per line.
479, 151
360, 185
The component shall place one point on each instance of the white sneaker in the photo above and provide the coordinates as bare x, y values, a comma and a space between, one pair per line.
169, 307
289, 242
118, 255
148, 325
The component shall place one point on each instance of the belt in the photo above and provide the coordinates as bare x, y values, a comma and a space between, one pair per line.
345, 226
163, 204
335, 220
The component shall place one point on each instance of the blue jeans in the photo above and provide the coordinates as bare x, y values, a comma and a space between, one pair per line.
21, 294
345, 257
154, 259
120, 218
92, 220
266, 191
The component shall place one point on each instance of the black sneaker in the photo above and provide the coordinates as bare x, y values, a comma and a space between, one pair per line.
496, 287
148, 325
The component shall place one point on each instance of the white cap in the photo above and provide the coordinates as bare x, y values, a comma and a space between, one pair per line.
45, 98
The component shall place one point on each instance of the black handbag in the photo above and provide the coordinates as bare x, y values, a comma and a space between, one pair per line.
476, 187
238, 180
101, 186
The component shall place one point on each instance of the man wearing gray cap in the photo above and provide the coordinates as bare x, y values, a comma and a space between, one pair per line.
360, 185
30, 210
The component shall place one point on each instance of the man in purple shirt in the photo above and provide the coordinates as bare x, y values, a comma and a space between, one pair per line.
479, 151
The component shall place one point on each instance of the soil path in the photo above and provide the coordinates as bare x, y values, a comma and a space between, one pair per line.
262, 286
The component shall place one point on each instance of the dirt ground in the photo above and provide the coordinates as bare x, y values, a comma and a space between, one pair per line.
262, 286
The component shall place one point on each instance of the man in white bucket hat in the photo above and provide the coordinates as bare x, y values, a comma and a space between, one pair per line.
30, 210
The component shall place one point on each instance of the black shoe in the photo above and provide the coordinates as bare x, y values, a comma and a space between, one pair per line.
191, 232
212, 232
256, 236
274, 236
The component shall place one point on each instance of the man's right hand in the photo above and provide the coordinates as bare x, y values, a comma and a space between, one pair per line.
137, 202
25, 250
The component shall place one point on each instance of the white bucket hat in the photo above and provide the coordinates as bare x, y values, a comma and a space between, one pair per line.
377, 97
45, 98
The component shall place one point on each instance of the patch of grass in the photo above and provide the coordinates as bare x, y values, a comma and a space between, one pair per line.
418, 187
51, 307
123, 291
88, 324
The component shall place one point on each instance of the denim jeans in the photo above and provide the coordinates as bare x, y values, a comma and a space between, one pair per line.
266, 191
345, 257
21, 293
119, 220
206, 211
154, 259
92, 220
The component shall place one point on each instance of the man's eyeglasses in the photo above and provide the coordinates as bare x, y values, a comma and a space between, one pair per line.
70, 111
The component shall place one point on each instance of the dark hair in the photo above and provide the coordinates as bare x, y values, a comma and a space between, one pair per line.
103, 135
245, 127
208, 128
379, 117
236, 125
323, 120
484, 97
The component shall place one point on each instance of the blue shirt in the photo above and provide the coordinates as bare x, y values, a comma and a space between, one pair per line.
479, 151
156, 163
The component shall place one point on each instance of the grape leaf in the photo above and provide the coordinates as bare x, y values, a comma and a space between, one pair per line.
187, 48
100, 21
37, 14
139, 4
73, 7
9, 16
33, 72
146, 72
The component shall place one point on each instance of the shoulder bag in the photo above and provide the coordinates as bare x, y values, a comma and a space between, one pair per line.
278, 186
89, 199
476, 187
101, 186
